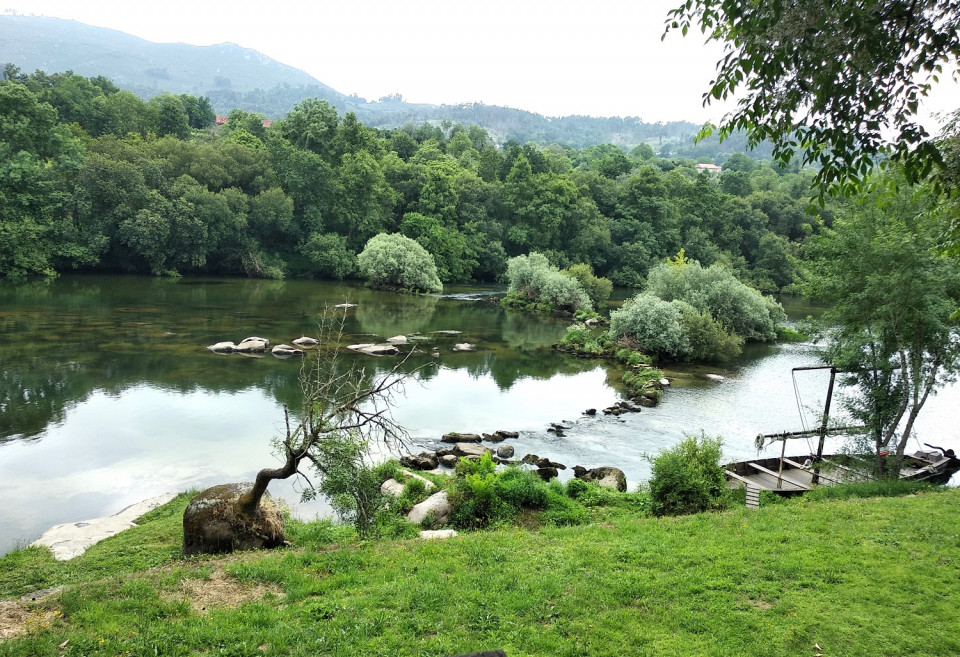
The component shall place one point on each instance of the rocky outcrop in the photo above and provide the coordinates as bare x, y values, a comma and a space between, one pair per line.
605, 477
421, 461
215, 522
470, 450
436, 507
372, 349
252, 345
285, 351
454, 437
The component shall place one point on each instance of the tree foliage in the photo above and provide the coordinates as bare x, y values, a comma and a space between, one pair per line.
839, 83
534, 281
891, 324
399, 262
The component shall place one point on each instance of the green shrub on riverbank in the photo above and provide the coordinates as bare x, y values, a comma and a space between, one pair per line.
774, 581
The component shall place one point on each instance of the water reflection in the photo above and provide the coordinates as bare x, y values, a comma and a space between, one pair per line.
108, 394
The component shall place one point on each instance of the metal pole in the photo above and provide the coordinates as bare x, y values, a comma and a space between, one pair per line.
823, 427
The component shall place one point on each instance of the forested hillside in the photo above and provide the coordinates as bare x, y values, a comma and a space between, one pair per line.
94, 178
233, 77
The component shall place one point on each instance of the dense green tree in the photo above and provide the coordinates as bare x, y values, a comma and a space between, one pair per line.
893, 300
839, 83
329, 255
399, 262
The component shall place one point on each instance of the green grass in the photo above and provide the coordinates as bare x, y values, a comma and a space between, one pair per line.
874, 576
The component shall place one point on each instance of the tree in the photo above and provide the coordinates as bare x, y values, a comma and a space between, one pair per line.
396, 261
893, 301
839, 83
534, 281
343, 410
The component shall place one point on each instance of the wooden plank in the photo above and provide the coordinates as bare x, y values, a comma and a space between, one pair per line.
753, 497
739, 478
784, 478
809, 469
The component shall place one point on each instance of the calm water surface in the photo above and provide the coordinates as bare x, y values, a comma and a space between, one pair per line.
109, 396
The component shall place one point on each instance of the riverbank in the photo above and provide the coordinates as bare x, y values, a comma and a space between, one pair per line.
852, 577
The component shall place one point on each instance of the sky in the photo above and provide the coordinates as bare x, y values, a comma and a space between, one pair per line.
556, 58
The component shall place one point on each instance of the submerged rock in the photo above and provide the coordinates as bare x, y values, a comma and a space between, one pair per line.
223, 348
372, 349
252, 345
285, 350
305, 341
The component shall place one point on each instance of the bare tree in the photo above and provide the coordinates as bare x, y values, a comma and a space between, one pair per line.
340, 401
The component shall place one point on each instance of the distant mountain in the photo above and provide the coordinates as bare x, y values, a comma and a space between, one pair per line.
239, 78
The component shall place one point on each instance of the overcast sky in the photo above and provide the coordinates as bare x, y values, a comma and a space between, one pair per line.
557, 58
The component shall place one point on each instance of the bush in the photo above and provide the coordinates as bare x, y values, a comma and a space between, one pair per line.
399, 262
535, 283
655, 324
329, 255
597, 288
715, 290
688, 478
708, 339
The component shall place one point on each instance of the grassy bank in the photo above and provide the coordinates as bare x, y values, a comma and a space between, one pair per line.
854, 577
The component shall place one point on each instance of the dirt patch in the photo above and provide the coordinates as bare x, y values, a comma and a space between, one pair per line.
221, 590
17, 619
759, 604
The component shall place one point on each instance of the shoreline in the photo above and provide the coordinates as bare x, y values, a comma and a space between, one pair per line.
69, 540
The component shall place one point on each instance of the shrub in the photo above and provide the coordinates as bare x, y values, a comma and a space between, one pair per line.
351, 485
399, 262
597, 288
534, 282
329, 255
688, 477
655, 324
708, 339
716, 290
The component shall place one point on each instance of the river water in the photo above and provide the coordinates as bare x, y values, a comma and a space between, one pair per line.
108, 395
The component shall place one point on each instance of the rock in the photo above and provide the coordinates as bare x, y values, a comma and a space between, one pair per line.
437, 506
214, 523
252, 346
665, 382
590, 411
447, 332
628, 407
422, 461
454, 437
72, 539
470, 450
392, 488
372, 349
345, 305
449, 460
506, 434
285, 350
593, 321
223, 348
443, 451
605, 477
529, 459
715, 377
505, 451
544, 462
397, 339
547, 473
464, 346
432, 534
305, 341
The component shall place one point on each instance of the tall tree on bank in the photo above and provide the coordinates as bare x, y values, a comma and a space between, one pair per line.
893, 303
838, 82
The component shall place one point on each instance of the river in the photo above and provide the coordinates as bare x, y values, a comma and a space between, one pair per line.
108, 395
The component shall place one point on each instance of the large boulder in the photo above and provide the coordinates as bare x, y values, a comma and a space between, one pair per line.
215, 522
605, 477
470, 450
421, 461
252, 345
437, 507
505, 451
454, 437
374, 349
223, 348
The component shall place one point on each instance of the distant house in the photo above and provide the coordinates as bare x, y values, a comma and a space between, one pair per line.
709, 168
